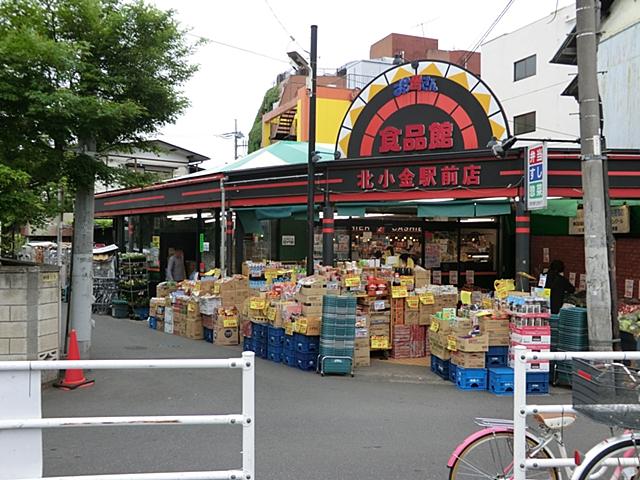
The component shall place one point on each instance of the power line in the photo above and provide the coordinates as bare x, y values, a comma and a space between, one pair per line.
242, 49
273, 12
487, 33
564, 82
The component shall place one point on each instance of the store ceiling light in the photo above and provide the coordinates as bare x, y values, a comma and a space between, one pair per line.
431, 200
478, 220
491, 199
373, 215
180, 218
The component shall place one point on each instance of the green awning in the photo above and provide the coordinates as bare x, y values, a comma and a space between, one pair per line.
490, 209
250, 222
351, 211
447, 210
561, 207
270, 213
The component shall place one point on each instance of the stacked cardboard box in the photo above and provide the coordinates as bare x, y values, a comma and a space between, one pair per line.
418, 341
439, 338
362, 352
422, 277
412, 310
226, 326
164, 289
496, 327
375, 314
401, 343
209, 305
193, 321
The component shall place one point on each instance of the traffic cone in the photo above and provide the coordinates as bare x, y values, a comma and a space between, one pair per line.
74, 377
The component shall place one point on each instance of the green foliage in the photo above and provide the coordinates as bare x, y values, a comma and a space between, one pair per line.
18, 203
255, 135
99, 73
103, 223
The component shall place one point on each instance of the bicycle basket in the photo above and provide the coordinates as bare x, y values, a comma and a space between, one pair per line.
607, 393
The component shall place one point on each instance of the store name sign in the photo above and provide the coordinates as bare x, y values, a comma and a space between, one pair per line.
414, 138
415, 83
537, 176
620, 222
420, 177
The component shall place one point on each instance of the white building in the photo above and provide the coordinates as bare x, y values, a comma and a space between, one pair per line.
516, 66
360, 72
168, 161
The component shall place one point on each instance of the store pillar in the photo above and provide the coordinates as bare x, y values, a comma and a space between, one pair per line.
217, 236
523, 238
239, 247
328, 232
229, 243
199, 240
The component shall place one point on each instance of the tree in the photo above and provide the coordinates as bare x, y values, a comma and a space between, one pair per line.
80, 77
255, 135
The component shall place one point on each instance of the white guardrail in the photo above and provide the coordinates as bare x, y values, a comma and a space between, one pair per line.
21, 421
521, 410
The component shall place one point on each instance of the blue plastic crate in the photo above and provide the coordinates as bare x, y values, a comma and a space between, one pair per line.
501, 380
494, 361
452, 372
471, 378
261, 350
306, 344
247, 343
153, 323
275, 336
289, 358
207, 334
275, 356
440, 367
498, 351
258, 330
289, 345
537, 383
306, 361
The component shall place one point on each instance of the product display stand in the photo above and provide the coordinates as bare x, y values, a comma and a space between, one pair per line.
134, 284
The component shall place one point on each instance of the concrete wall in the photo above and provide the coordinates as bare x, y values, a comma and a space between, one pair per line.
556, 116
29, 313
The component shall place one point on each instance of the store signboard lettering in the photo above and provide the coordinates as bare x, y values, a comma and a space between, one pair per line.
420, 177
415, 83
406, 229
620, 221
360, 228
414, 137
537, 176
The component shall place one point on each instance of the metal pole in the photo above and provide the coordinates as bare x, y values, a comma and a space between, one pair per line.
235, 139
595, 206
223, 234
248, 412
229, 242
82, 277
199, 230
519, 414
523, 233
312, 147
328, 229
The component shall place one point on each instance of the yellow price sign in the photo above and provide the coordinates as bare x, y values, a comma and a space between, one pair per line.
546, 293
216, 288
413, 302
435, 326
465, 297
257, 304
452, 343
379, 342
427, 299
191, 307
289, 328
230, 322
271, 313
406, 281
399, 291
352, 281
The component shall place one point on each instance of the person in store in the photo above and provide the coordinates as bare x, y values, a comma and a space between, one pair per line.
558, 284
176, 271
406, 261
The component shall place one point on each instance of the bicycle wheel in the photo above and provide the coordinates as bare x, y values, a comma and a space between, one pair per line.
618, 461
491, 458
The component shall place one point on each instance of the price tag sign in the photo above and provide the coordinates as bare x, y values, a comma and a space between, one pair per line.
427, 299
216, 288
379, 342
352, 281
413, 302
471, 277
465, 297
572, 278
230, 322
191, 307
628, 288
406, 281
271, 313
435, 326
257, 304
379, 305
399, 291
436, 277
583, 282
289, 328
452, 343
453, 277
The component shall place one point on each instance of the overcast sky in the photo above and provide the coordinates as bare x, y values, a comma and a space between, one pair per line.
231, 83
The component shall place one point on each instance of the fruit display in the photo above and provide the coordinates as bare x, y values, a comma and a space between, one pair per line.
629, 318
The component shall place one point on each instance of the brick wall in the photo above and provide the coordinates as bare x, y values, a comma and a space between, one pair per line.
570, 249
29, 318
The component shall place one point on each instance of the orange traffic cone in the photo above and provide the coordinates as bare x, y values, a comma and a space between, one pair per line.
74, 377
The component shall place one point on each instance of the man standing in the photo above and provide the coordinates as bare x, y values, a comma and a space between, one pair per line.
175, 266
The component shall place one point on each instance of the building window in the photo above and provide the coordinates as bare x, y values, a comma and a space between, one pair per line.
524, 68
524, 123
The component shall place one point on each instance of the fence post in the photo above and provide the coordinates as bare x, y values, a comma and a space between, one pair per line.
519, 414
20, 450
248, 411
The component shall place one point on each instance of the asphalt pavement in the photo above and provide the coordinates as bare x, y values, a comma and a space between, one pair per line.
388, 422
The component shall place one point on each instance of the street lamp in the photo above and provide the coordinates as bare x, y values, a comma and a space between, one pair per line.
236, 135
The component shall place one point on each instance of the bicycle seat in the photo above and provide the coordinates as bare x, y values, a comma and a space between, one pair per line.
555, 421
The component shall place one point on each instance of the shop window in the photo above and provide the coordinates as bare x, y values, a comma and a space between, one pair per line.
525, 123
478, 248
441, 249
524, 68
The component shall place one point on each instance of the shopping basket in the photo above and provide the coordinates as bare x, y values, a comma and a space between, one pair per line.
607, 393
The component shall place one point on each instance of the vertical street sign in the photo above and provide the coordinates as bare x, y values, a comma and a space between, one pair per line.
537, 176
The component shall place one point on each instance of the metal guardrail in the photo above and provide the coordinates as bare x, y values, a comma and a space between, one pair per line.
21, 440
521, 409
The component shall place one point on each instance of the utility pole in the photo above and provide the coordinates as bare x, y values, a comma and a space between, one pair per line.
596, 205
82, 274
235, 138
311, 174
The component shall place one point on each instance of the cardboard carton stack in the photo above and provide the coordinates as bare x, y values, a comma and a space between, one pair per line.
377, 317
193, 321
180, 315
401, 341
209, 305
309, 300
156, 310
226, 326
422, 277
496, 327
412, 310
418, 341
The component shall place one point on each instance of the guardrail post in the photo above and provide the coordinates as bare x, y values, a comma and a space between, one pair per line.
248, 411
519, 414
20, 450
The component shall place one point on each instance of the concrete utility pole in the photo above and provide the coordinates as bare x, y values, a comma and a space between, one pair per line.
82, 275
595, 198
311, 168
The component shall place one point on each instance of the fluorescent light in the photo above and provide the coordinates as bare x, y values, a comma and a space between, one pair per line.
210, 221
491, 199
555, 198
478, 220
431, 200
373, 215
180, 218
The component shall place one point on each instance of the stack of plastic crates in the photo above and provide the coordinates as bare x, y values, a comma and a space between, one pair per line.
289, 351
275, 344
259, 334
573, 336
306, 348
607, 393
337, 337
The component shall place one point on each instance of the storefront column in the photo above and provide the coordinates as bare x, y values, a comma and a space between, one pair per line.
199, 231
239, 247
118, 229
229, 243
217, 232
328, 232
523, 236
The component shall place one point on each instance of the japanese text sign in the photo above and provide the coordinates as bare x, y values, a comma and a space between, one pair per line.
536, 176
